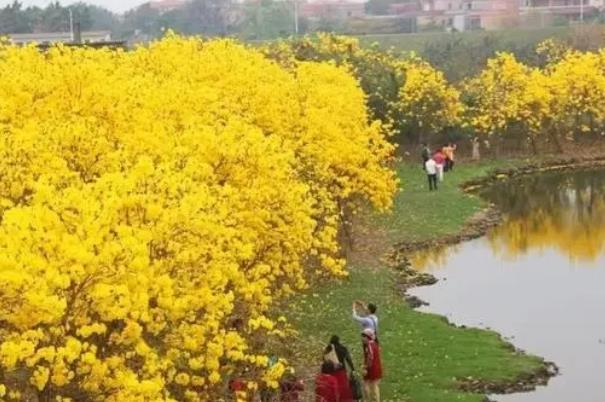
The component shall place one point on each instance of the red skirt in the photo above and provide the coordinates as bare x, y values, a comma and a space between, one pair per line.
343, 386
373, 362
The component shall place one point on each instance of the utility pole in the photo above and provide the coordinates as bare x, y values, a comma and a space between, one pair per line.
295, 17
581, 11
71, 24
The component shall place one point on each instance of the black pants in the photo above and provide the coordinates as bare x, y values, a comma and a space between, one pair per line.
451, 164
432, 182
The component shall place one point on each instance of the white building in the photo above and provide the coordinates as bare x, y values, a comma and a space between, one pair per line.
59, 37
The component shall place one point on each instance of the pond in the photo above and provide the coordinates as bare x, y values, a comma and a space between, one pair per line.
538, 279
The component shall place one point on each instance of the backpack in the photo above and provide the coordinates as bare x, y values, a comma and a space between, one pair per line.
332, 357
355, 385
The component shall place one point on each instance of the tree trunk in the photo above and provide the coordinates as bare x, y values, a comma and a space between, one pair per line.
555, 139
534, 146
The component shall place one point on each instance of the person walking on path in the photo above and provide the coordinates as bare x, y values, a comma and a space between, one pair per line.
372, 366
439, 159
344, 359
431, 173
425, 154
326, 385
445, 149
449, 152
369, 319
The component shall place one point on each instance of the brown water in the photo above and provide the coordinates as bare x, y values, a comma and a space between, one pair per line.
538, 279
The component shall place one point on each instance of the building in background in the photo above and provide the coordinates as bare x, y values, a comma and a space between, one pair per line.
332, 9
163, 6
490, 14
461, 15
48, 38
549, 12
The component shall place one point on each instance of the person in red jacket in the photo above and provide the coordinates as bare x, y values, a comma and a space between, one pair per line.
372, 365
439, 159
340, 370
326, 384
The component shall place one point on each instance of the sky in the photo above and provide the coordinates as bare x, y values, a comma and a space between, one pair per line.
114, 5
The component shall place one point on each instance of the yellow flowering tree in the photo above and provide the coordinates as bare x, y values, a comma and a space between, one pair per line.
578, 94
563, 101
494, 98
156, 204
509, 99
427, 103
376, 71
405, 93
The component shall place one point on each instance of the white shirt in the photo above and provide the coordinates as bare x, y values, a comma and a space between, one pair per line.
369, 321
430, 166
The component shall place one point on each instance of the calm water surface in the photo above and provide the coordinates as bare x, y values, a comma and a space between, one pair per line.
538, 279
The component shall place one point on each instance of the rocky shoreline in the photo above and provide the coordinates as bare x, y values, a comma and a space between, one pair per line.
477, 226
525, 383
552, 165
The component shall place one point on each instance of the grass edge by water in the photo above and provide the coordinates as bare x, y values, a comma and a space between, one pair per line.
425, 357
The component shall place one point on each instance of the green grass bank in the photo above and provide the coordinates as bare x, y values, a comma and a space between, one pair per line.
418, 41
423, 355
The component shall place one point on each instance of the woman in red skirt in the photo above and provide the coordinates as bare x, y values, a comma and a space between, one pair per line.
372, 365
342, 360
326, 384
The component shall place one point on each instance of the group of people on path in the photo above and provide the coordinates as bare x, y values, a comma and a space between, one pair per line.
438, 162
337, 380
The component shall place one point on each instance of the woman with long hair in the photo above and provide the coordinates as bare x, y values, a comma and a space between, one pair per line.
338, 352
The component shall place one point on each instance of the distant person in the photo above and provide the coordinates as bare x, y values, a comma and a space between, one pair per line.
372, 366
239, 389
368, 319
344, 360
439, 159
446, 150
425, 154
454, 149
326, 385
430, 168
290, 388
475, 154
450, 152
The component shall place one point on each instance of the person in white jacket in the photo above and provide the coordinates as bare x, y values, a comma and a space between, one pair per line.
431, 172
369, 320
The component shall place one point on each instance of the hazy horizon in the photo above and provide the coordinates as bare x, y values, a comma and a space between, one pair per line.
118, 6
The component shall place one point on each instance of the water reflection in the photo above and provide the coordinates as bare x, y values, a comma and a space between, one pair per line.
430, 258
537, 279
557, 210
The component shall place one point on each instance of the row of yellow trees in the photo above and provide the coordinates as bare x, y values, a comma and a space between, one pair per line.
406, 94
156, 204
560, 101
